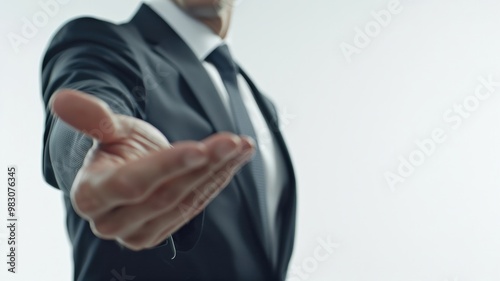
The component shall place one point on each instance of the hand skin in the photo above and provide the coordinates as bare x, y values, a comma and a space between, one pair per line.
134, 187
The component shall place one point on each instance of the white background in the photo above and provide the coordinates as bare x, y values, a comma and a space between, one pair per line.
346, 125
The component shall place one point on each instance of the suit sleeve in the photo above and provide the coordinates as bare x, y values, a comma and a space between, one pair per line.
92, 56
87, 55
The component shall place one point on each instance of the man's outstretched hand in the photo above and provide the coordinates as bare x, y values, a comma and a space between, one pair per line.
134, 187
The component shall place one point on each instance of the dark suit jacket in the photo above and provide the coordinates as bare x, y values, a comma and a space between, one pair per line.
142, 68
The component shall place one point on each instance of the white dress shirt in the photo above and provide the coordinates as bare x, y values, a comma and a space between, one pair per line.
202, 42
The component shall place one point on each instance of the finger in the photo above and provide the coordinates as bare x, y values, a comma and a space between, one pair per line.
126, 219
217, 144
134, 181
141, 240
87, 114
203, 194
143, 133
196, 201
154, 231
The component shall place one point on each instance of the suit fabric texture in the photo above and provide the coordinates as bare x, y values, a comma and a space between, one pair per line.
142, 68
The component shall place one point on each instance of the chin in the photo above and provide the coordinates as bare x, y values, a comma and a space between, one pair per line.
206, 12
212, 8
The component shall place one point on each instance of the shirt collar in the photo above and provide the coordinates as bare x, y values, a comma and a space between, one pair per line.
201, 39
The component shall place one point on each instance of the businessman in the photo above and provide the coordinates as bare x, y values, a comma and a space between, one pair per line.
170, 160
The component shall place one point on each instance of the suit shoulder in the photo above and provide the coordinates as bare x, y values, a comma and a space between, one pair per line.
87, 31
87, 22
87, 28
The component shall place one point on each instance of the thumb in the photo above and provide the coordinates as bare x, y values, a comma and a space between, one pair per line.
86, 113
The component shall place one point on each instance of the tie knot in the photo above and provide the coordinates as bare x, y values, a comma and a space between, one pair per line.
222, 60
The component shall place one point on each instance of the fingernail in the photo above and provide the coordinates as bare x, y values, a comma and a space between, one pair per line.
248, 146
194, 159
226, 149
249, 139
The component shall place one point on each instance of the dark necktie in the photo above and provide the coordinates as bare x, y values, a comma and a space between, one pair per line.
222, 60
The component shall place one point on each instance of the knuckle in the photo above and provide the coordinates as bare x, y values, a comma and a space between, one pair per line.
131, 246
84, 199
136, 242
102, 228
97, 232
108, 228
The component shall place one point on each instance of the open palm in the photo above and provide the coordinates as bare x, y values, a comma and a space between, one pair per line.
134, 186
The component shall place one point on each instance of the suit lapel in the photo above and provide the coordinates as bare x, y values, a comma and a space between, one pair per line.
288, 202
174, 49
198, 80
168, 44
202, 86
